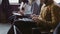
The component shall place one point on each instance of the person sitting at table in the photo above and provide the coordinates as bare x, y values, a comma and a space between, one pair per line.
24, 8
34, 9
49, 16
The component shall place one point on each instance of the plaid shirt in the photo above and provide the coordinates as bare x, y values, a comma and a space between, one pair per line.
49, 16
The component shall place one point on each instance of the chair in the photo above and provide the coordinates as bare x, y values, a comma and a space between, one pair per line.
14, 30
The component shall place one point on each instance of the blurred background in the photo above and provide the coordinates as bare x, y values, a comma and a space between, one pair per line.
6, 9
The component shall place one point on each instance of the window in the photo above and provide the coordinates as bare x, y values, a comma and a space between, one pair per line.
0, 1
58, 1
14, 2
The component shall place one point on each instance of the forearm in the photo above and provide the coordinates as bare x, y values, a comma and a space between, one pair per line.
47, 23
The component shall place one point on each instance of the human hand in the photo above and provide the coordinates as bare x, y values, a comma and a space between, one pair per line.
34, 17
21, 12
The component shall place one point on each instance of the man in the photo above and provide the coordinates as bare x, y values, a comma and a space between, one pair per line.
49, 16
35, 8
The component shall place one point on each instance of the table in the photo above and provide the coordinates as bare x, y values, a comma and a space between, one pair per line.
24, 25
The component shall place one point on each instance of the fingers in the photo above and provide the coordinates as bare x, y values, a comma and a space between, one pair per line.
21, 12
35, 19
34, 15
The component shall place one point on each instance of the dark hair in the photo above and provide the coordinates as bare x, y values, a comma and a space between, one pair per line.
25, 1
45, 1
48, 1
23, 8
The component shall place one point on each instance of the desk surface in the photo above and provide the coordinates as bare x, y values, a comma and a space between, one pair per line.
25, 19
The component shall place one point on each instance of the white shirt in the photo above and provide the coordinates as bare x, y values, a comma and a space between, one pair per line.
27, 9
